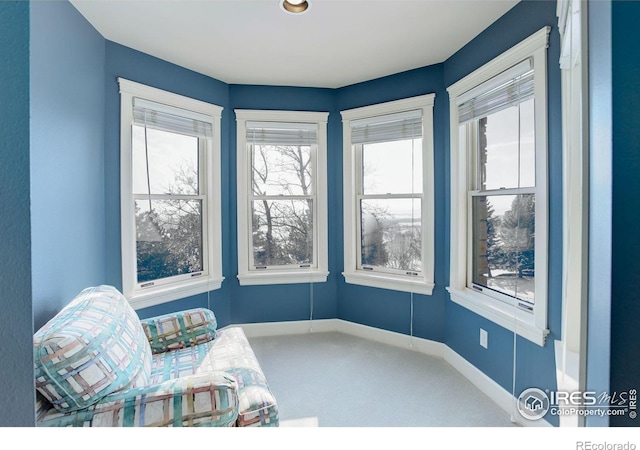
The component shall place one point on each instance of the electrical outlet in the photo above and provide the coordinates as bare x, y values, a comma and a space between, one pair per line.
484, 338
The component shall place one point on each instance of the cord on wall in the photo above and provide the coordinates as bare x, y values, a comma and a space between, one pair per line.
310, 307
411, 324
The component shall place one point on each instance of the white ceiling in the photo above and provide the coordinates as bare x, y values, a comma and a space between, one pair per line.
336, 43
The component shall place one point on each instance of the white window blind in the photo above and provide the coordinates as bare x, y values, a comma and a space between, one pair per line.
167, 118
391, 127
510, 88
275, 133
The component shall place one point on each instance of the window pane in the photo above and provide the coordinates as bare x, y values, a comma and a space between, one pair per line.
282, 232
506, 146
527, 144
172, 162
503, 244
392, 167
282, 170
168, 238
391, 233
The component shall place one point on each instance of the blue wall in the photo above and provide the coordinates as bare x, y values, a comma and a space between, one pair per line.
16, 328
67, 156
535, 366
625, 307
139, 67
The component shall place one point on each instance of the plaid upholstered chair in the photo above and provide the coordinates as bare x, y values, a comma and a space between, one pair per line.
97, 364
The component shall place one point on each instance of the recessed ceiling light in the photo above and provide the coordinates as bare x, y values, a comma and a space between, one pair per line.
295, 6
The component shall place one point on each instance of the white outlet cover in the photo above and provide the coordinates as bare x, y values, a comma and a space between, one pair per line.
484, 338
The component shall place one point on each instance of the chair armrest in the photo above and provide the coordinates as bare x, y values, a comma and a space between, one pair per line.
204, 400
180, 329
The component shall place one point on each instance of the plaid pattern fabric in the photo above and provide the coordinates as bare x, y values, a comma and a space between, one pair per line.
204, 400
95, 367
94, 346
43, 407
179, 330
229, 352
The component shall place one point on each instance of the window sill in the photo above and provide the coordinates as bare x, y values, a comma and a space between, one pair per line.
282, 277
386, 281
506, 316
163, 294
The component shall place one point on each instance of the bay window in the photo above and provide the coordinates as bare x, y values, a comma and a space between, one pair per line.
388, 195
170, 203
282, 209
499, 190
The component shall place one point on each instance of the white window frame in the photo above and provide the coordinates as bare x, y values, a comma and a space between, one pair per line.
284, 274
423, 283
531, 325
180, 286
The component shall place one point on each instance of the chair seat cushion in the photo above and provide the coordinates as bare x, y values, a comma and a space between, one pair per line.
94, 346
229, 352
207, 400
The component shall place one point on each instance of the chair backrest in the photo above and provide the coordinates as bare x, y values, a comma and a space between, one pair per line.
94, 346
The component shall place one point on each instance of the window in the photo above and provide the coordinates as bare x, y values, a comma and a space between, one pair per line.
499, 190
170, 201
282, 197
388, 195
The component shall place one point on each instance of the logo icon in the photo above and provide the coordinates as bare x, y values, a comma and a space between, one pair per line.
533, 404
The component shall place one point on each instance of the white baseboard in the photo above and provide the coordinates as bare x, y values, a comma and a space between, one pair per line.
493, 390
567, 376
421, 345
486, 385
252, 330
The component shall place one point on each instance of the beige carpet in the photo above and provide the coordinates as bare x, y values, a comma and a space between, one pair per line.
338, 380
